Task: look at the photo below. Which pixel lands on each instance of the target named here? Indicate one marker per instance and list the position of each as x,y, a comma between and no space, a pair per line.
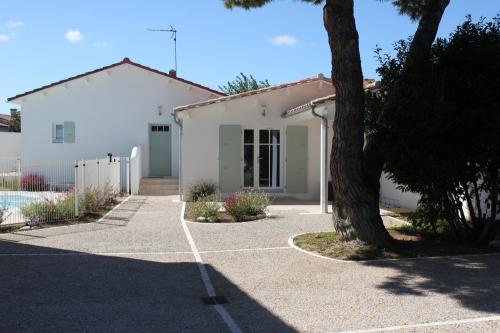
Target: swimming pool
14,201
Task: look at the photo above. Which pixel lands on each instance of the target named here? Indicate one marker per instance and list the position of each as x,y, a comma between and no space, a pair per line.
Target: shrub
108,194
258,202
206,207
33,182
242,204
92,200
9,184
237,205
201,190
49,210
2,213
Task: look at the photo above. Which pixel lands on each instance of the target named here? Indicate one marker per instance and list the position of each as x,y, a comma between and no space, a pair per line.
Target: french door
261,158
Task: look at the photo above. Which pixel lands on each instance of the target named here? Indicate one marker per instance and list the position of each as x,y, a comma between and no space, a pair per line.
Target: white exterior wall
112,111
394,196
10,145
200,146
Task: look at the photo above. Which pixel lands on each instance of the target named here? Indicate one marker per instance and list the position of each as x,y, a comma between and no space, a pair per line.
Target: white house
108,110
274,139
252,140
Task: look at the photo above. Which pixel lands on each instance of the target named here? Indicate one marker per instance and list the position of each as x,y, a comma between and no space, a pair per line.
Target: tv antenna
173,36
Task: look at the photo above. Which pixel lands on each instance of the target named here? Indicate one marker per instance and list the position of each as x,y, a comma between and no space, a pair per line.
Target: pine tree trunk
356,214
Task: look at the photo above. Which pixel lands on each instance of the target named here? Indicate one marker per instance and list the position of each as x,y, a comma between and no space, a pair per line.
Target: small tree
243,83
15,122
443,142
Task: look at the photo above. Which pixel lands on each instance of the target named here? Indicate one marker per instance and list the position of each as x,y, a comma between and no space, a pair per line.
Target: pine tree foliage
243,83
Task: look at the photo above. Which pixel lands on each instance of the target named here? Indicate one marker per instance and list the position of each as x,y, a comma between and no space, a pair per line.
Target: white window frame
55,139
256,161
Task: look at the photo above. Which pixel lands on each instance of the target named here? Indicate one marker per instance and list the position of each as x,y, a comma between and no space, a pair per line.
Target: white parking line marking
56,254
431,324
249,250
226,317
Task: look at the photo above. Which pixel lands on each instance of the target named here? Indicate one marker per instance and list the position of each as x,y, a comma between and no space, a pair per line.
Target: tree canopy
15,122
356,161
243,83
443,141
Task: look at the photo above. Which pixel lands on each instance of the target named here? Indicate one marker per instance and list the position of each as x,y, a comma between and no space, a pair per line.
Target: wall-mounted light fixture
160,110
263,113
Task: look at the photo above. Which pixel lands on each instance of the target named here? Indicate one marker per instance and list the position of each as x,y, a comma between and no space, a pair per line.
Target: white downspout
323,161
179,123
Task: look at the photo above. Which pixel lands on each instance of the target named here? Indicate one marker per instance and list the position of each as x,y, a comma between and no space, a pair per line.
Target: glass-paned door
248,158
269,158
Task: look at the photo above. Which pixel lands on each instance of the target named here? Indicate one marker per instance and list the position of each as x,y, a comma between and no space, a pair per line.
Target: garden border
314,254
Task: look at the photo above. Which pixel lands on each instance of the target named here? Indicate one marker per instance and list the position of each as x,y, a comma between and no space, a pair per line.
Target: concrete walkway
135,271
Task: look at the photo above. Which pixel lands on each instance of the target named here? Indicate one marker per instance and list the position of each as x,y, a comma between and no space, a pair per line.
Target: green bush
2,213
109,194
258,202
242,204
49,210
206,207
201,190
9,184
92,200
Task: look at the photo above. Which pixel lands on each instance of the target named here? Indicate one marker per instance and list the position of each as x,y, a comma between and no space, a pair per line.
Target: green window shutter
230,158
69,132
296,159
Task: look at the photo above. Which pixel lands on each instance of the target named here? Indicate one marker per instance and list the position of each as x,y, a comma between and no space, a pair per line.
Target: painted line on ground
314,254
431,324
50,254
249,250
221,310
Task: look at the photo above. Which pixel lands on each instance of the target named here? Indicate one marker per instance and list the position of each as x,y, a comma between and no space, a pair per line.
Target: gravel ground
134,272
312,294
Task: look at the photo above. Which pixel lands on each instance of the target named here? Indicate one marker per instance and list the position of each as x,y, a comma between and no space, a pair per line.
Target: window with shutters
63,132
58,133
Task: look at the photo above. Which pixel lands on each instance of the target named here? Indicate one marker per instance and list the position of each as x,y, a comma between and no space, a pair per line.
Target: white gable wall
200,146
112,111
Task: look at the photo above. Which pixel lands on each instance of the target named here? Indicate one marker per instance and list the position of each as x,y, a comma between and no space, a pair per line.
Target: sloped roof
368,84
250,93
4,120
124,61
304,107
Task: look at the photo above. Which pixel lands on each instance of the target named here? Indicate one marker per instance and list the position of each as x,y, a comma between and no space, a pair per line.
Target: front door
160,150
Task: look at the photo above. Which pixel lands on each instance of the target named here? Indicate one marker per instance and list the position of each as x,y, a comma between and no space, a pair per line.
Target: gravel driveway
135,271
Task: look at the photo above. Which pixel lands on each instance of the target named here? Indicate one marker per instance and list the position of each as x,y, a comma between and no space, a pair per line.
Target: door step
159,186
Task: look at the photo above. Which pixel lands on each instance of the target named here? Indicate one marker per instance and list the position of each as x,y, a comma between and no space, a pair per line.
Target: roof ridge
125,60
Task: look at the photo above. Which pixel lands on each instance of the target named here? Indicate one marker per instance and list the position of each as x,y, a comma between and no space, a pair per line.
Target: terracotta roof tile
4,120
249,93
368,85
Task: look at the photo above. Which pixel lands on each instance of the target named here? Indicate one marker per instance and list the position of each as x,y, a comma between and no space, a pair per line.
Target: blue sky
46,41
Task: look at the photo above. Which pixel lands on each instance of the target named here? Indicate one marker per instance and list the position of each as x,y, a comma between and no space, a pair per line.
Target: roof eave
249,93
123,62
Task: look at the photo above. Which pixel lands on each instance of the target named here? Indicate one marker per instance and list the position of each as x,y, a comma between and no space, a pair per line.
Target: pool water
14,201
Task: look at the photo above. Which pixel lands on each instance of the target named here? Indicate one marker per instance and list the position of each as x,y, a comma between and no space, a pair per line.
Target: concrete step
158,192
159,186
164,181
155,186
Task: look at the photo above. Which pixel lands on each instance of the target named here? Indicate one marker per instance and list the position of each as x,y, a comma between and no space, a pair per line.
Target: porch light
160,110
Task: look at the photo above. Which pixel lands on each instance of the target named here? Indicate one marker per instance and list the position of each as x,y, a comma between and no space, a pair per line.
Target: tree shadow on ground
474,281
51,290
